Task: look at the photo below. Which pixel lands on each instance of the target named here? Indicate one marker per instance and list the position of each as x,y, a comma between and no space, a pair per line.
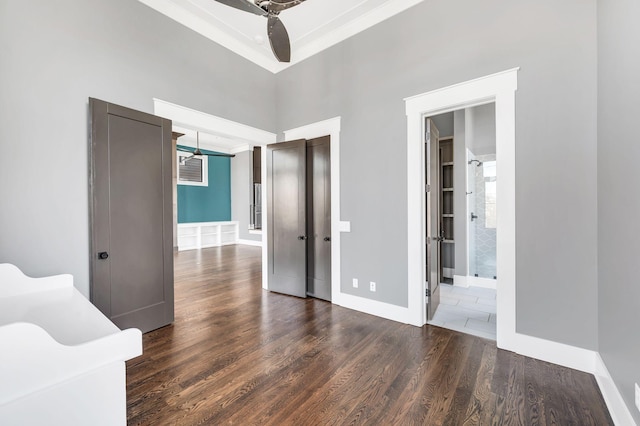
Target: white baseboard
581,359
373,307
556,353
615,403
469,281
481,282
250,243
460,281
447,272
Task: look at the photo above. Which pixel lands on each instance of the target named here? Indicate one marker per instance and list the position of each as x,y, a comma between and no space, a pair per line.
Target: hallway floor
469,310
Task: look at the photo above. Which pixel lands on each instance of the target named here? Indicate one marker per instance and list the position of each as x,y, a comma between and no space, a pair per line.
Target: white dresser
62,362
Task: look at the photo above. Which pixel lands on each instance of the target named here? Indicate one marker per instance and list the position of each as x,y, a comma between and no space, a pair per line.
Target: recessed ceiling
313,25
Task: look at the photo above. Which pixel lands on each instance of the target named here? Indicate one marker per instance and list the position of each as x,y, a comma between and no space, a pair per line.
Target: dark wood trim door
131,216
319,217
433,237
286,205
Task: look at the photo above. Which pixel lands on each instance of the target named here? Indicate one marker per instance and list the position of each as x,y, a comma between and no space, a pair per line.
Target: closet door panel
286,204
319,218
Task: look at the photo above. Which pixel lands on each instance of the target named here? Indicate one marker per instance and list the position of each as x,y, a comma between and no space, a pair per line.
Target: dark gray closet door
131,216
433,238
319,218
286,206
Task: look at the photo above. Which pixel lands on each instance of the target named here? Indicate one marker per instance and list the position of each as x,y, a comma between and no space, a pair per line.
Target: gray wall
241,193
364,80
618,196
55,55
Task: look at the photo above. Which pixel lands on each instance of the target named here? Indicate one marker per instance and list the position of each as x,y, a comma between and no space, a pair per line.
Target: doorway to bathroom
499,88
461,220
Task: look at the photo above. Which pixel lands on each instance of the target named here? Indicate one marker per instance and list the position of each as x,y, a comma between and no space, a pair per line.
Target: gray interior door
432,214
319,218
131,216
286,206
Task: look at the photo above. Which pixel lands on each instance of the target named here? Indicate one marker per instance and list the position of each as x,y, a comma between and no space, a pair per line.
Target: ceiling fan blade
219,155
216,154
194,153
245,6
184,160
279,39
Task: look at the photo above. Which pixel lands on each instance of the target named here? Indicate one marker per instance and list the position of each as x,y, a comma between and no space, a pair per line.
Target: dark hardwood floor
237,354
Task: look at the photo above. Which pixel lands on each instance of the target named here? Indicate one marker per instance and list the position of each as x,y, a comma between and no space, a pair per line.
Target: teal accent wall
207,203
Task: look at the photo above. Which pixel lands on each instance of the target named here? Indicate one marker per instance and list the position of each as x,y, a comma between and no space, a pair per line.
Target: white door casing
214,125
499,88
329,127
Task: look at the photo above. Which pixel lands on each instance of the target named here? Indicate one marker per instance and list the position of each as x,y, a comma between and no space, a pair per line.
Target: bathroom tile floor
469,310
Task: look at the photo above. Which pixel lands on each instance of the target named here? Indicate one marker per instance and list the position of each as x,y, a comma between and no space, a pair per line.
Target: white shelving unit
446,207
206,234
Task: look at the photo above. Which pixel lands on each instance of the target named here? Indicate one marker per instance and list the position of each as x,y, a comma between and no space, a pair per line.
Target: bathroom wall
484,251
480,140
460,220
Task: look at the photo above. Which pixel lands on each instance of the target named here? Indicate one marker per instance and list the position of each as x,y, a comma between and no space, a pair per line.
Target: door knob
103,255
327,238
302,237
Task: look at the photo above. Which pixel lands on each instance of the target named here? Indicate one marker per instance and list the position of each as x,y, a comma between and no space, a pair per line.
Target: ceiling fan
198,152
278,36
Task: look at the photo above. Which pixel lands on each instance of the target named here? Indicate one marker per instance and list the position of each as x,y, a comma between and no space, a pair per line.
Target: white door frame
182,116
329,127
251,136
499,88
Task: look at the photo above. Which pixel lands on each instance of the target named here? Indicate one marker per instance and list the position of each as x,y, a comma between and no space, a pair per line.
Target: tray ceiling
312,26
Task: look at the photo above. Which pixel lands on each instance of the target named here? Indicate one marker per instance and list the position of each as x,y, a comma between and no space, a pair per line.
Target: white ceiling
209,141
212,132
312,26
